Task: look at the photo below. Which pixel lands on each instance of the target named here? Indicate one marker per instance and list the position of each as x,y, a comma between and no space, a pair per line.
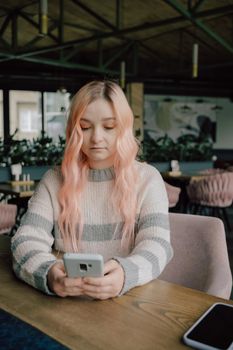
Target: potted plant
36,156
193,152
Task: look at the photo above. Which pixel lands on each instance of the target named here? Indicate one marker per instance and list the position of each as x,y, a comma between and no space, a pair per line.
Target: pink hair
75,164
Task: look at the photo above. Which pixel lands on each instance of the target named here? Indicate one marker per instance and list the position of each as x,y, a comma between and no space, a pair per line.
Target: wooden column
6,113
135,96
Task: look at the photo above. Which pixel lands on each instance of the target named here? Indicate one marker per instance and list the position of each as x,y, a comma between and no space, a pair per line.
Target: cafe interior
174,61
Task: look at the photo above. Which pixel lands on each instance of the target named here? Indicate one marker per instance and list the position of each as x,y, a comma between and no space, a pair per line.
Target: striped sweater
38,233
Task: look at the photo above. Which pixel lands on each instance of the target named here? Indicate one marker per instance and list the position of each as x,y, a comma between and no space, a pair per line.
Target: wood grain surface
154,316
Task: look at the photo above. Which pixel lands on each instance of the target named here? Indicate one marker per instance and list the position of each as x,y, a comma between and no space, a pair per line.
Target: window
25,114
55,110
1,114
27,117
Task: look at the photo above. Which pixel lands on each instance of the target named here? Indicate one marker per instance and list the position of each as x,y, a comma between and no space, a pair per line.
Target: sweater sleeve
32,244
152,249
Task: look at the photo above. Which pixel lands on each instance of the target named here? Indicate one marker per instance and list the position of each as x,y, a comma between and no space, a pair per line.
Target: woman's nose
96,135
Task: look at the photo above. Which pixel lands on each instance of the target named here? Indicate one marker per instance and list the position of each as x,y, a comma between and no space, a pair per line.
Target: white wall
1,114
224,125
224,116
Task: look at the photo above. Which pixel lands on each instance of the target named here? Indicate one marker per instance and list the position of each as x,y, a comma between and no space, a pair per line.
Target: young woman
101,201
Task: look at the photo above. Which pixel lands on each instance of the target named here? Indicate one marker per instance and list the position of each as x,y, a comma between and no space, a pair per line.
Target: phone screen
216,328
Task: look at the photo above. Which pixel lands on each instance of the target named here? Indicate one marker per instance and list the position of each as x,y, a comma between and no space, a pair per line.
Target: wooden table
19,194
153,316
18,191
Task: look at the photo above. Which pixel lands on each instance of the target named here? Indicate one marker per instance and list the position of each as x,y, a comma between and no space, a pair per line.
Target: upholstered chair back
7,217
212,171
200,258
173,194
212,190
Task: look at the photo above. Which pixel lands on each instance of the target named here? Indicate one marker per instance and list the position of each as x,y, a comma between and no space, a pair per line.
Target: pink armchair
200,255
173,194
212,194
7,217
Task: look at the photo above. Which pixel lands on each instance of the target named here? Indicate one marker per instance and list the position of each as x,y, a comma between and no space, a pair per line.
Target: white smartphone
213,330
81,265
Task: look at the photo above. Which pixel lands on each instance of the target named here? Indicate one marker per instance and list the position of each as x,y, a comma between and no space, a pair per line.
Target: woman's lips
96,148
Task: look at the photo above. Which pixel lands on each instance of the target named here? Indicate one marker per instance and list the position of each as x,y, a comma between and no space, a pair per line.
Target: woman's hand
60,284
108,286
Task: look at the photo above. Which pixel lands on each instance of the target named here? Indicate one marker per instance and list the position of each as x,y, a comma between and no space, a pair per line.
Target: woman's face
99,128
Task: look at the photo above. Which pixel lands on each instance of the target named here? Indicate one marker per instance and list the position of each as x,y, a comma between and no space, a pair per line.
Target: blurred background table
17,194
20,190
180,180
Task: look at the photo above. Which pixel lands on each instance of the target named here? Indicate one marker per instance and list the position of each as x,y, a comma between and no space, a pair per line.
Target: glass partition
56,105
1,115
25,114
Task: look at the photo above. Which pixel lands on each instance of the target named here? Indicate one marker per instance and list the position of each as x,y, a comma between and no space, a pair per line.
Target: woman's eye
109,127
85,127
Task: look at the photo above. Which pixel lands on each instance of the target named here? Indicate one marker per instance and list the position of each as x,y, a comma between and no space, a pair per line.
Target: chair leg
20,213
194,208
222,214
226,219
216,212
198,209
207,211
201,209
191,208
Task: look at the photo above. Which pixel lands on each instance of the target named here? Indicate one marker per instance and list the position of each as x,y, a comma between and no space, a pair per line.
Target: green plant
45,152
194,148
40,151
187,147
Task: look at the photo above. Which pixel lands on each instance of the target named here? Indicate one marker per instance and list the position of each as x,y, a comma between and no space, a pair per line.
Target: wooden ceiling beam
37,38
174,4
5,44
61,21
118,33
100,53
70,65
153,53
119,12
14,31
196,6
36,25
200,41
94,14
136,50
72,53
119,53
79,26
5,24
160,23
100,36
17,8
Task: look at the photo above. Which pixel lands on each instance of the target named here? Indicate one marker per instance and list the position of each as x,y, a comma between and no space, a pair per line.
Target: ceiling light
122,76
43,17
167,99
216,107
62,90
185,108
195,61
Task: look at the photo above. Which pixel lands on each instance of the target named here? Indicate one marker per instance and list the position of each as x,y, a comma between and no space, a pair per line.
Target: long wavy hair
75,167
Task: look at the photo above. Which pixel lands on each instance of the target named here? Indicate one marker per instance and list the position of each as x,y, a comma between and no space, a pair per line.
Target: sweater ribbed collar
99,175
